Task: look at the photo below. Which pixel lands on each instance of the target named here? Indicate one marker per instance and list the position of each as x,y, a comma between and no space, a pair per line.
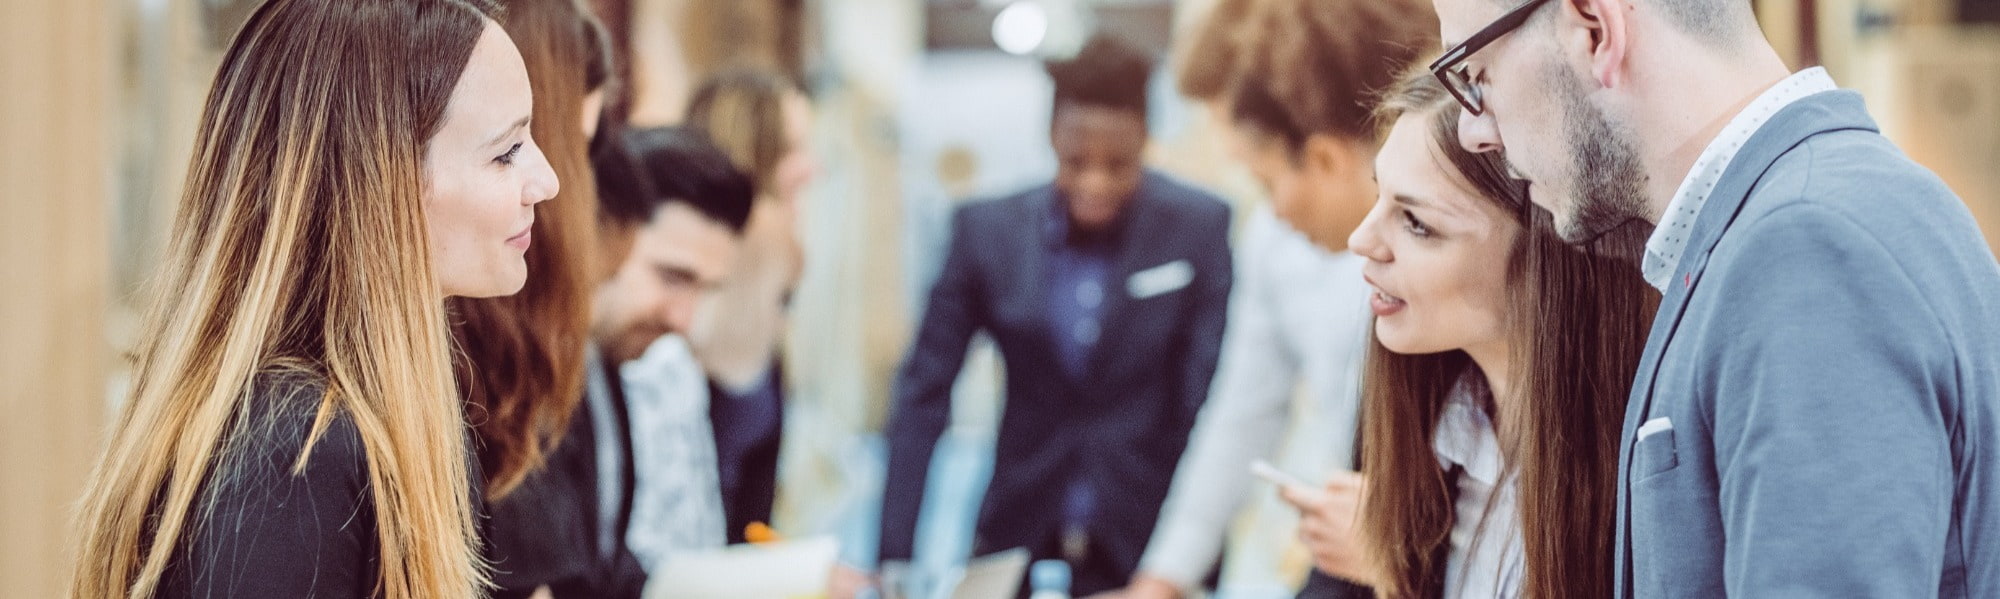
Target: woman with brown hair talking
293,429
1495,386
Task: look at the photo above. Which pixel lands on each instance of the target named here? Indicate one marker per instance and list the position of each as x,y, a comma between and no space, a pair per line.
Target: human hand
847,582
1329,525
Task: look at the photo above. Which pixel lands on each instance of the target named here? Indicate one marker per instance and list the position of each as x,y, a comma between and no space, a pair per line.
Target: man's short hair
1107,73
1707,20
678,165
1711,20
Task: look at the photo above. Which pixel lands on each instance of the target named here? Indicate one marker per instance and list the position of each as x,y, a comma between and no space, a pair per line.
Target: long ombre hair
1579,318
523,362
300,244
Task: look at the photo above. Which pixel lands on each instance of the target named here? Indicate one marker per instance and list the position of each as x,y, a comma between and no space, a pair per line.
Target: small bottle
1049,579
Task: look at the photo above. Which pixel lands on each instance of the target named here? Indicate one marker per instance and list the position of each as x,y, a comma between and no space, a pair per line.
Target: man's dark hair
1714,21
655,167
1108,72
624,196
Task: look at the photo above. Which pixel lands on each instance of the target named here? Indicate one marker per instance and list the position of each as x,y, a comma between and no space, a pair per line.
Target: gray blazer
1817,413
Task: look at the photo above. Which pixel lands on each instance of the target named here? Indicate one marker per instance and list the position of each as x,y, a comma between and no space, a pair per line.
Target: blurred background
919,104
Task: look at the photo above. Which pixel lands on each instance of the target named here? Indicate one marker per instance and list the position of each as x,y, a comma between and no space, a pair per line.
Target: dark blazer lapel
1028,248
1820,113
1135,253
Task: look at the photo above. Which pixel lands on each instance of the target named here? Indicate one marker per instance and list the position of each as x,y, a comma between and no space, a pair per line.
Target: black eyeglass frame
1449,70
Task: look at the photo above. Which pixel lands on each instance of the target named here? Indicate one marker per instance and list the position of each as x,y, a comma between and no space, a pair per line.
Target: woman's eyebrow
509,130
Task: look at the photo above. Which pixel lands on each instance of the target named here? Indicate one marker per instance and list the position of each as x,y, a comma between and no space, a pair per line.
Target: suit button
1089,294
1085,332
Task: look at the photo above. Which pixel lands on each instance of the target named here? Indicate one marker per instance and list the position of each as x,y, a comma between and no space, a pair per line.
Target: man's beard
1607,183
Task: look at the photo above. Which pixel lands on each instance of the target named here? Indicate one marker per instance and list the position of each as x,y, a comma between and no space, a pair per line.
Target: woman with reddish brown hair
554,504
523,366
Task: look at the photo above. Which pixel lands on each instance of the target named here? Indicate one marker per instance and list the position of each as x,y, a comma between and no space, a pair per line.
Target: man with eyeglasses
1815,414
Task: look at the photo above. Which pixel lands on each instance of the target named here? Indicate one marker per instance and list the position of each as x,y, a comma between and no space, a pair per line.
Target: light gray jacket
1817,413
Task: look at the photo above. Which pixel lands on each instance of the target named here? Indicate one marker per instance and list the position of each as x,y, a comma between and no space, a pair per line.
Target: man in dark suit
1105,292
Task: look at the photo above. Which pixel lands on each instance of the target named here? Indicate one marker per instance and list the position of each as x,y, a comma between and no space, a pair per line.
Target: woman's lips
1384,304
1381,302
522,240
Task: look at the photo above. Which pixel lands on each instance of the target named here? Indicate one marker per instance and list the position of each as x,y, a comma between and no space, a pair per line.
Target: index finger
1301,497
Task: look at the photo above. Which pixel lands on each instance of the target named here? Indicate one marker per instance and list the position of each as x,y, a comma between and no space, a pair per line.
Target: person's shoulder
1853,190
1185,214
267,525
988,211
1842,226
1034,196
1184,198
277,424
1853,172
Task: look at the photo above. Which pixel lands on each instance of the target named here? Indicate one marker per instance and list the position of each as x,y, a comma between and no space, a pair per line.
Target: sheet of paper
782,570
993,576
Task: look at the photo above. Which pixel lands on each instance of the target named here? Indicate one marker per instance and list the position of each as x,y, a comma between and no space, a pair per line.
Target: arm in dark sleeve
1209,312
923,389
262,530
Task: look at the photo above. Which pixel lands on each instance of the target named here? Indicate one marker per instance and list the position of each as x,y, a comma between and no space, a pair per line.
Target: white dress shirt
1298,320
1487,558
676,496
1670,237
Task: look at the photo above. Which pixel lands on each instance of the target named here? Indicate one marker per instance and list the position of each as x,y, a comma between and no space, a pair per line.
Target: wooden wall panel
57,121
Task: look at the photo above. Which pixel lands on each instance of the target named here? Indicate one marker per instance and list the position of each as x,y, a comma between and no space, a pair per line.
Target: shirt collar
1465,434
1670,237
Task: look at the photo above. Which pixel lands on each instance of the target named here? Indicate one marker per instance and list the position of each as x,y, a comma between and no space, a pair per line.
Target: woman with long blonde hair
294,429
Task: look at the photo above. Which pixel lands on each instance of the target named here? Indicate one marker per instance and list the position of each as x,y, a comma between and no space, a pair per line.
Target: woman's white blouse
1487,557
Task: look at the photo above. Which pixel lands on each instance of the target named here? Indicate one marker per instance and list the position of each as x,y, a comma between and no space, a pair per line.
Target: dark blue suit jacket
1123,425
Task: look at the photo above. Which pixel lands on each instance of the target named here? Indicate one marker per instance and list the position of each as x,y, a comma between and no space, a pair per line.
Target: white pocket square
1655,426
1160,280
